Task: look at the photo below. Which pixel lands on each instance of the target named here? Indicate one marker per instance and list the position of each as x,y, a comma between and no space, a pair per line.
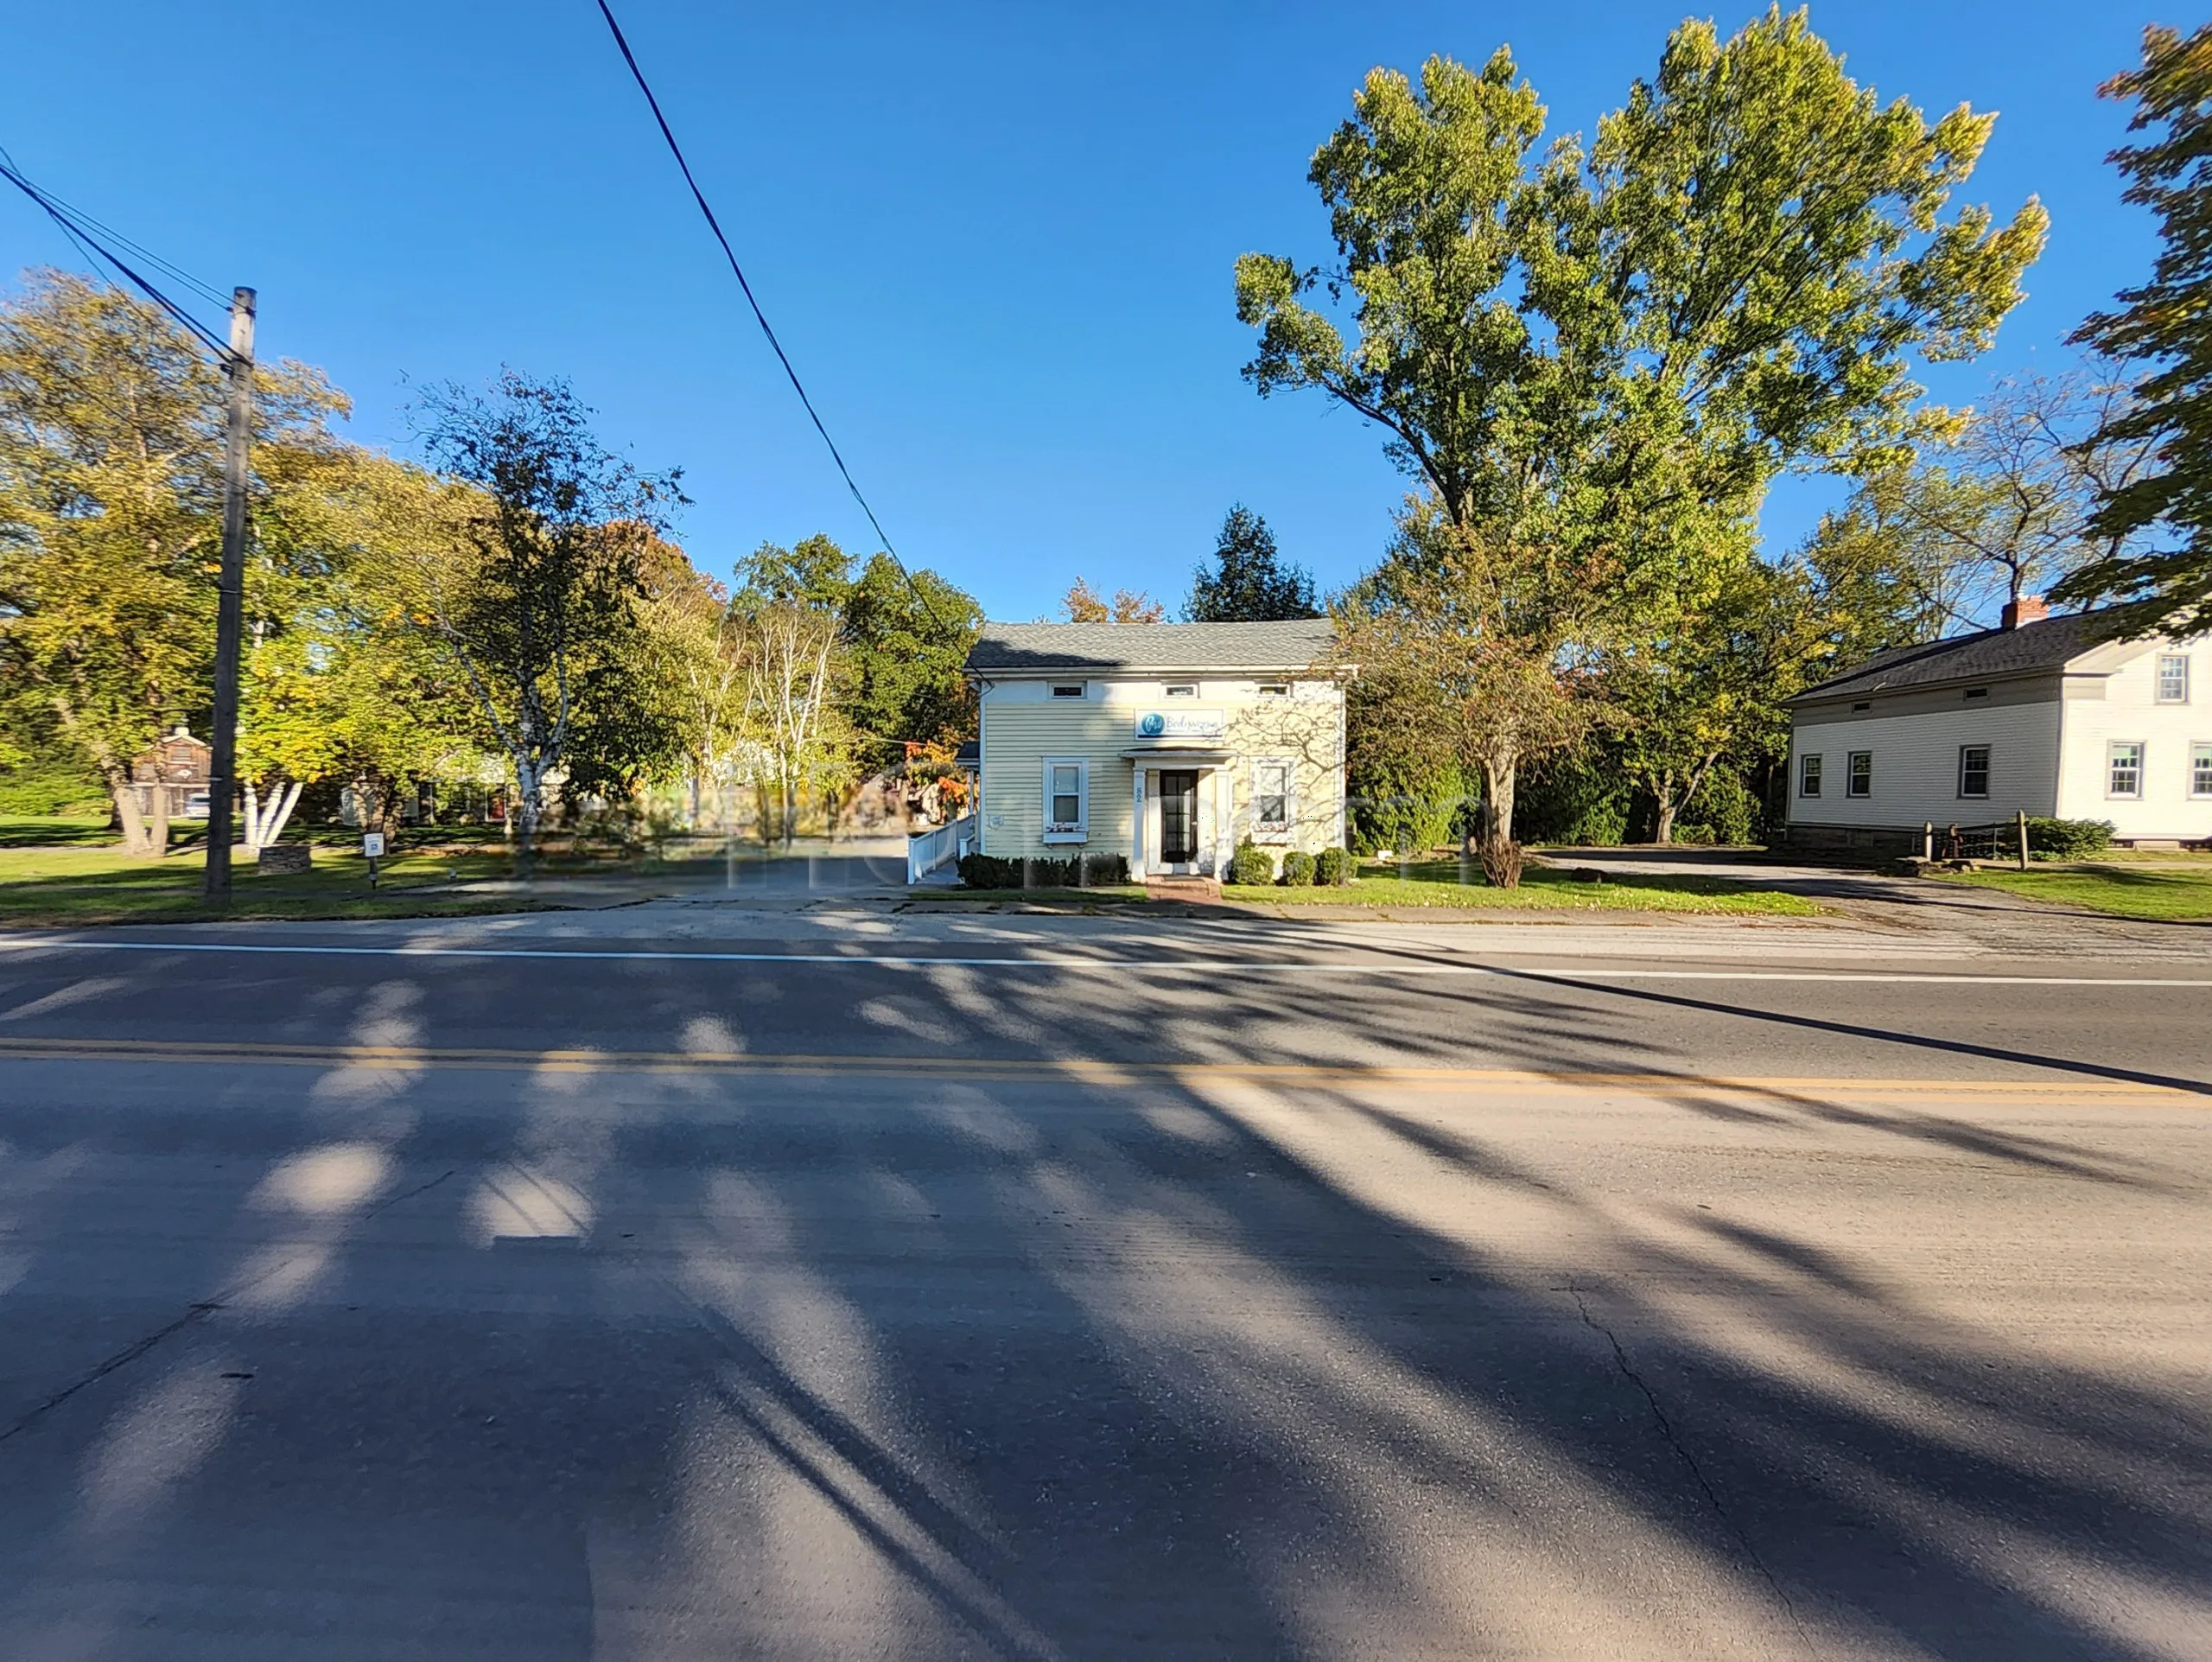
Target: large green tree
110,491
1609,353
906,640
2165,325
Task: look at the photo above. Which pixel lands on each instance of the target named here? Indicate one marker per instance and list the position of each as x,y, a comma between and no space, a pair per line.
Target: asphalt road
436,1294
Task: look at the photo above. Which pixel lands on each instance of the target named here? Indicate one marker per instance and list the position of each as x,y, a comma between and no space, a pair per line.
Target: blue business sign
1181,724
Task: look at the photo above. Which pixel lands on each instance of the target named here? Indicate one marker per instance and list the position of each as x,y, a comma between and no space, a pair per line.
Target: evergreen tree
1249,581
2166,325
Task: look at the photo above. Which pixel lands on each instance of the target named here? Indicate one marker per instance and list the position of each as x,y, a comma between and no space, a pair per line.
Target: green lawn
2124,891
61,830
73,886
1437,883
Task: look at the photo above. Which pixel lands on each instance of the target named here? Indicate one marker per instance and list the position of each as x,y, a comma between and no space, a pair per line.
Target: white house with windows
2037,716
1166,742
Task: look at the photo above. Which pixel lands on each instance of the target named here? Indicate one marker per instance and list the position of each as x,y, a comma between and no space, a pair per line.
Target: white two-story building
1168,743
2038,716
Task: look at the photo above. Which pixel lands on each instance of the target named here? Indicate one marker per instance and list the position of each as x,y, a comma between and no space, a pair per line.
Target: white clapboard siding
1916,762
2129,712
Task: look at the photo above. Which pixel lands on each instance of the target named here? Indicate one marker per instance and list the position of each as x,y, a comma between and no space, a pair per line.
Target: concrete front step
1182,889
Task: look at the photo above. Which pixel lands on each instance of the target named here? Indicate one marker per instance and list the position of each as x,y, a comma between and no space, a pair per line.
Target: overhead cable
78,228
759,316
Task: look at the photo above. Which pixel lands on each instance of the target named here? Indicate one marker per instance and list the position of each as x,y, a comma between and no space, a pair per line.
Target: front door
1179,818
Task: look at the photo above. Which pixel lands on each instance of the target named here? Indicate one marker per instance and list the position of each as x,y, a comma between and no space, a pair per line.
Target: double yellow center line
1087,1071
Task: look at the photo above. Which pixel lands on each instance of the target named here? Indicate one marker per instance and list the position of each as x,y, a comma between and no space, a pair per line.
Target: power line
75,227
759,316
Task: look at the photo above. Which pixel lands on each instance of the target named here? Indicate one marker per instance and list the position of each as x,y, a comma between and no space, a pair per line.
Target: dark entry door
1179,818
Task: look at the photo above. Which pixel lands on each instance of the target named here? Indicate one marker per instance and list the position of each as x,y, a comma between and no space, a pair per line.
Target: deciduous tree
110,491
527,578
1083,605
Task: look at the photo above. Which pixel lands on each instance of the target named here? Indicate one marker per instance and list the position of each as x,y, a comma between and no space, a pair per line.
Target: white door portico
1179,757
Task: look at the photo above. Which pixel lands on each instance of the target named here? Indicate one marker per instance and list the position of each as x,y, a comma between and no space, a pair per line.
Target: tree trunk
1501,855
1494,822
137,841
157,826
524,812
264,822
1662,791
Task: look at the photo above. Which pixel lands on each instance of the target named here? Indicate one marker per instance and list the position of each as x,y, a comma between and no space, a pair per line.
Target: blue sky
996,240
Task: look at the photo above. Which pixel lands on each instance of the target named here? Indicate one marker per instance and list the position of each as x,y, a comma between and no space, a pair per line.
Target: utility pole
230,604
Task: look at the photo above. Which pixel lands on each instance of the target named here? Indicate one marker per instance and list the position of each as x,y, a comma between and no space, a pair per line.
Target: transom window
1274,689
1808,776
1069,690
1973,770
2124,769
1977,692
1183,689
2200,770
1271,795
1860,781
2173,678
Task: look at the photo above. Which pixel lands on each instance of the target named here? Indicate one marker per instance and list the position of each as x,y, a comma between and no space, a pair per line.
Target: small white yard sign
372,844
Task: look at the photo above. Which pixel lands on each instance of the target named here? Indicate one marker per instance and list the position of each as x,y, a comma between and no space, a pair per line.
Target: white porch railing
932,848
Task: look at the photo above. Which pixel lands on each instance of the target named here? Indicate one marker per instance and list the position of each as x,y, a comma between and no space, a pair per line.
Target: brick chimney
2029,608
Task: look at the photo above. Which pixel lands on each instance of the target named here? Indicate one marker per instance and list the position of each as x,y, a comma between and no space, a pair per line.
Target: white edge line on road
1102,965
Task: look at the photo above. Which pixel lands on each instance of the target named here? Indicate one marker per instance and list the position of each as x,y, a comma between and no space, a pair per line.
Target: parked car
195,805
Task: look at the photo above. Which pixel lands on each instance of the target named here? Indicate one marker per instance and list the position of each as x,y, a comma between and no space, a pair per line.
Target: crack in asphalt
1667,1435
193,1313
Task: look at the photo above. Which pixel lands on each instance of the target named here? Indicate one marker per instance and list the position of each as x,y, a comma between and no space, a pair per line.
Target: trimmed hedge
1332,869
1078,871
1297,870
1251,864
2068,840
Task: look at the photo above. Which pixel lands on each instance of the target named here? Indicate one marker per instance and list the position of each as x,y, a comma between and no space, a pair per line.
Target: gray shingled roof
2047,646
1043,648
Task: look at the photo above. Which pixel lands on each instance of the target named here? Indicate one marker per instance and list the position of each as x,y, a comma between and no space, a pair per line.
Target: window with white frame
1809,774
2123,769
1275,688
1271,789
1070,689
1860,780
2173,678
1067,798
2200,770
1183,689
1973,770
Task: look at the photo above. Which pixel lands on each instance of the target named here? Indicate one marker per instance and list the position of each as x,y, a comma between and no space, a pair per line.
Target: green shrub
1297,870
1078,871
2068,840
1099,870
45,786
1581,798
1333,869
1251,864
